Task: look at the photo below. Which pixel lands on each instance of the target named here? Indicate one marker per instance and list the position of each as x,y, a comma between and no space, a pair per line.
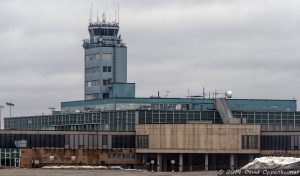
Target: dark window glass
2,140
32,141
104,140
113,141
104,69
38,140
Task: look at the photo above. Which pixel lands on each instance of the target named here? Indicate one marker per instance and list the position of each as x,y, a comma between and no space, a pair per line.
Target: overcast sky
249,47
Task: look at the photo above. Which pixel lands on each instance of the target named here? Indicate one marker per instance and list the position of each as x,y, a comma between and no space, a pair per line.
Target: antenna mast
97,16
118,13
91,13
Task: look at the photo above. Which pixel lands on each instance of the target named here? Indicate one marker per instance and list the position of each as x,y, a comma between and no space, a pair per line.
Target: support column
159,165
232,161
190,161
206,161
180,162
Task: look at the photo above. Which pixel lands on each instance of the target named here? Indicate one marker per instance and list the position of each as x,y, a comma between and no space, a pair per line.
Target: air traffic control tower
106,63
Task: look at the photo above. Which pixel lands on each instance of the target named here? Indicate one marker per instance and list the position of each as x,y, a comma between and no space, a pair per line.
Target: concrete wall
64,157
196,138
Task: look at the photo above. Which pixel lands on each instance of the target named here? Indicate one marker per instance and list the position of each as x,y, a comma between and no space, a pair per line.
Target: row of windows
96,82
92,70
142,141
178,117
250,142
106,81
31,140
280,142
93,57
94,121
270,117
121,156
97,69
92,96
121,141
67,141
91,83
107,69
105,32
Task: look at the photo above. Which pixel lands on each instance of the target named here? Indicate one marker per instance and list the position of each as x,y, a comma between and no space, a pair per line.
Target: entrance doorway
9,157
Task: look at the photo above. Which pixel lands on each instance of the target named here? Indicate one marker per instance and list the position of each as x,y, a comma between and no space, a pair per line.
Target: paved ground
56,172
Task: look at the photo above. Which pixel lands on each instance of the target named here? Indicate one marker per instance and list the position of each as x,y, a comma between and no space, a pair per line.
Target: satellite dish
228,94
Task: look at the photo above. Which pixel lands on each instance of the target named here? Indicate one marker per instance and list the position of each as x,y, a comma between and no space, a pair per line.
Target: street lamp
0,115
10,105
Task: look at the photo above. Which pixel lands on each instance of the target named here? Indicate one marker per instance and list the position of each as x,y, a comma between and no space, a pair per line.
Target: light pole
0,115
10,105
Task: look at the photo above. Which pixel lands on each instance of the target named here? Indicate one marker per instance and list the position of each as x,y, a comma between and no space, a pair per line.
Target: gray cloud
249,47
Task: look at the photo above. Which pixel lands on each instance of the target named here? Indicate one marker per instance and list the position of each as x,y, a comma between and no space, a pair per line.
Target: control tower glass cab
105,59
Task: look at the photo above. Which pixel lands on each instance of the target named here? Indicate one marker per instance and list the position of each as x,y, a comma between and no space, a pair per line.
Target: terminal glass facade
94,121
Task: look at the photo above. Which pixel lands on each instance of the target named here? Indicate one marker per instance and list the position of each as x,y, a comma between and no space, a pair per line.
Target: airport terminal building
113,127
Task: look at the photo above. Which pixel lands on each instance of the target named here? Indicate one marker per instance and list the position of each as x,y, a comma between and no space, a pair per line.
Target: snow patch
274,163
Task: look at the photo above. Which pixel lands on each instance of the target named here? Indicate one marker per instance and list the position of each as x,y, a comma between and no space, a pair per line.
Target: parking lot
57,172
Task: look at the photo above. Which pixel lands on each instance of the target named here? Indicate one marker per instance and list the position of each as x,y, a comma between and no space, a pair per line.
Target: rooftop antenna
103,18
118,13
203,92
91,13
97,16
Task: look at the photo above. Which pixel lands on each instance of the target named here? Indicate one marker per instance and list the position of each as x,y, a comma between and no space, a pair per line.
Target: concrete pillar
231,161
206,162
190,161
159,162
180,162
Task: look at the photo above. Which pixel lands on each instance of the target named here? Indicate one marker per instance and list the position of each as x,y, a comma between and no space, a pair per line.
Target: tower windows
106,81
105,95
91,83
92,96
107,56
107,69
92,70
91,57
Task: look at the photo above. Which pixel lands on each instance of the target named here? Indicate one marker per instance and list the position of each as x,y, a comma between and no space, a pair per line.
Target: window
91,96
105,82
142,141
91,57
105,95
107,56
106,69
104,140
91,83
250,142
92,70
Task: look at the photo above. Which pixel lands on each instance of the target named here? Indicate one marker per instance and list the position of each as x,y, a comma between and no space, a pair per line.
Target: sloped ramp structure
225,112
